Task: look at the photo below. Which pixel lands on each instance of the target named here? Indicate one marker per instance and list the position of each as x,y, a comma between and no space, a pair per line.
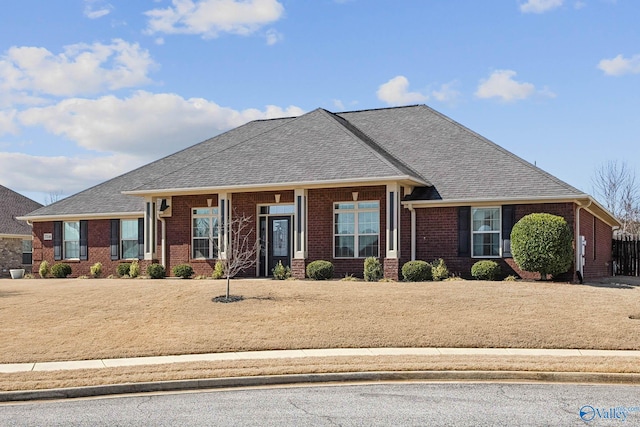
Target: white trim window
71,239
129,238
204,233
356,228
486,232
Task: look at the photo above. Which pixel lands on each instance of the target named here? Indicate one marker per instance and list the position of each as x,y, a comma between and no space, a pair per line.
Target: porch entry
276,237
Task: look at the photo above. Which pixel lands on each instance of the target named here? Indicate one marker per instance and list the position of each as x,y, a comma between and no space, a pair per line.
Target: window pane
368,205
345,223
344,246
129,249
486,244
201,227
345,206
201,211
129,229
72,230
201,248
27,246
368,246
368,222
72,250
486,219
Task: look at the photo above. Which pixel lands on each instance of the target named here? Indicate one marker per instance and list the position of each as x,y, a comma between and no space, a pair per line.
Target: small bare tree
616,187
241,248
53,197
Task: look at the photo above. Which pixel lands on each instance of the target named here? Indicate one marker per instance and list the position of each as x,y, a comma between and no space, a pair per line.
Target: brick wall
437,237
598,256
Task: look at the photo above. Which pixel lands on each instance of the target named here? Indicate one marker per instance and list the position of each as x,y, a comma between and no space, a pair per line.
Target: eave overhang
79,216
581,200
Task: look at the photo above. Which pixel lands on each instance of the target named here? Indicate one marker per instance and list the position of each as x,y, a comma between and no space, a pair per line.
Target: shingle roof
12,205
415,142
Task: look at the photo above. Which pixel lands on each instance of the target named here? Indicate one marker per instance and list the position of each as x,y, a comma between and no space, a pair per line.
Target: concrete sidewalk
291,354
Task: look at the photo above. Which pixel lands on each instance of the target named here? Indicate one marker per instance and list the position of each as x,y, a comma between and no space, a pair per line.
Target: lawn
74,319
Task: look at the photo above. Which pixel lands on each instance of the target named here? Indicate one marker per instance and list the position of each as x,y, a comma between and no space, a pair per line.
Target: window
27,252
129,238
71,239
204,233
485,228
356,229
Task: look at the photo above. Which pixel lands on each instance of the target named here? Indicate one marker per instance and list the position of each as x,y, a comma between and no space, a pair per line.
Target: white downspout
413,232
577,238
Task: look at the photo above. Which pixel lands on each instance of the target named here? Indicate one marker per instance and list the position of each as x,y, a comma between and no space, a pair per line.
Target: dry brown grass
70,319
184,371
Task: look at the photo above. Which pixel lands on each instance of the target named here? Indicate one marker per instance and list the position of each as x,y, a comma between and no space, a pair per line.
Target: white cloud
209,18
501,84
94,9
447,93
396,92
273,37
23,172
7,122
145,125
620,65
80,69
540,6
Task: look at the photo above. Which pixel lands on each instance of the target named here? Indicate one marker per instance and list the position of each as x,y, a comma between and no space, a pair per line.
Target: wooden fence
626,255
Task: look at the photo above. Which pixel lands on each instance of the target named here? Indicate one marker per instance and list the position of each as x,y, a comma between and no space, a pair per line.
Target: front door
279,248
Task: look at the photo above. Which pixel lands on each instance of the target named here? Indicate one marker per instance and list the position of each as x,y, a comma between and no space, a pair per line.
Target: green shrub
218,270
134,270
320,270
156,271
60,270
543,243
485,270
372,269
280,272
183,270
123,269
44,271
96,270
416,271
439,269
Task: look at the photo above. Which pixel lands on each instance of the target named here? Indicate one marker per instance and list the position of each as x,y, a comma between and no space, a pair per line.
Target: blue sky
90,89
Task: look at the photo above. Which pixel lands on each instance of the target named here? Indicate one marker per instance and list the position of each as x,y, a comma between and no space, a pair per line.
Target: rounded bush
218,270
417,271
123,269
320,270
44,269
485,270
543,243
60,270
183,270
156,271
372,269
134,270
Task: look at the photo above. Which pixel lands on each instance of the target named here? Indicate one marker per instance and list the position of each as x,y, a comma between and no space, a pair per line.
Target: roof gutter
76,216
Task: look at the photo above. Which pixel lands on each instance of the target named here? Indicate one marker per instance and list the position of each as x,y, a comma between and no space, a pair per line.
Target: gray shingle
12,205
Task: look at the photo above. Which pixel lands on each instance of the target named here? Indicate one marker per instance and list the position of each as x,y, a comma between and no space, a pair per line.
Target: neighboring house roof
415,144
13,205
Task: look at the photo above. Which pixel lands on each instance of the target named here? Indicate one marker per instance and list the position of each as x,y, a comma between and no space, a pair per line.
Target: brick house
396,183
15,235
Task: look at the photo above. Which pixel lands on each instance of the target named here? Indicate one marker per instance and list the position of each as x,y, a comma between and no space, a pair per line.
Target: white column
393,221
300,224
150,228
224,219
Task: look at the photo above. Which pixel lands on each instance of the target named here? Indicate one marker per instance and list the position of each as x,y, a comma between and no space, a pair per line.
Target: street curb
298,379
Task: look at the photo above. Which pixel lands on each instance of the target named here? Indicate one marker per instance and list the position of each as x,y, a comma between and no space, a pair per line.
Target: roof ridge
377,149
381,108
505,151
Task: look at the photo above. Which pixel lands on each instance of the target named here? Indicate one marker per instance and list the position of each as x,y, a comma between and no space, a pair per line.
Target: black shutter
464,231
140,238
508,220
84,237
115,239
57,240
